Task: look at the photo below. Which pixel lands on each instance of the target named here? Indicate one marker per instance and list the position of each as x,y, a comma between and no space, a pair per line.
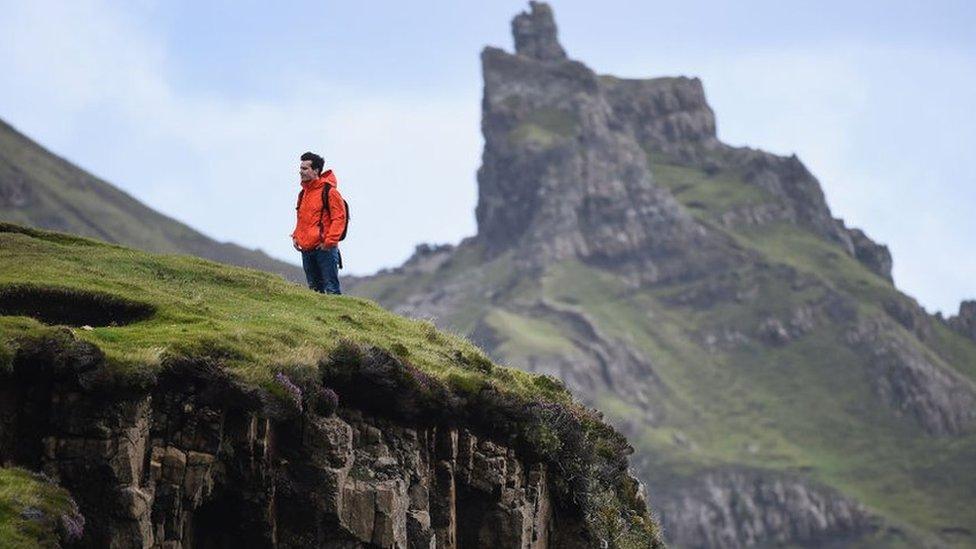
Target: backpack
325,206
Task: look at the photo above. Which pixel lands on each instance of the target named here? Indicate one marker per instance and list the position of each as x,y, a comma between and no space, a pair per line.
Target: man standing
320,225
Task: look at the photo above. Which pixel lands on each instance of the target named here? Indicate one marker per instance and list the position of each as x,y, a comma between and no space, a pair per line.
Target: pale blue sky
201,111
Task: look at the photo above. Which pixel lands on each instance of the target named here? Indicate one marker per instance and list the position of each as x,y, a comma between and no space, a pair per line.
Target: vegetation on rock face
35,512
147,313
544,128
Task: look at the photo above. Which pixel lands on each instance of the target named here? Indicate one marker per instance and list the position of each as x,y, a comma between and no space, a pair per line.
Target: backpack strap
325,208
325,199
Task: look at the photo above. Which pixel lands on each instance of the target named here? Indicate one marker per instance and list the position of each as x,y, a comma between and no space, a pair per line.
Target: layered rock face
744,508
940,399
196,461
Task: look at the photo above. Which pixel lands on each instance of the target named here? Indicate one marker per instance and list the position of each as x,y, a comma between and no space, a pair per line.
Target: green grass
545,128
805,407
526,336
254,325
251,323
706,196
31,510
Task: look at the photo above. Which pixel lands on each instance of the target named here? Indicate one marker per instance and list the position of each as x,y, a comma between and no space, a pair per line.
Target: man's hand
323,246
294,244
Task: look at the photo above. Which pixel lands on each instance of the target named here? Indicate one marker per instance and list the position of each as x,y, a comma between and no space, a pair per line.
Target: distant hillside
41,189
778,388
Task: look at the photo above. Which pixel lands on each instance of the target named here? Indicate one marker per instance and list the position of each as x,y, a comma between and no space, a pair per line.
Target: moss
35,512
56,238
399,349
706,195
545,128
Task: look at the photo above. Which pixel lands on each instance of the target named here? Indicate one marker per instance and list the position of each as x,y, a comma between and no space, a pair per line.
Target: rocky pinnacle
535,34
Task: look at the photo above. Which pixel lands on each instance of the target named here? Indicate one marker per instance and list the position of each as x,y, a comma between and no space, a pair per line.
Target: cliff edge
183,403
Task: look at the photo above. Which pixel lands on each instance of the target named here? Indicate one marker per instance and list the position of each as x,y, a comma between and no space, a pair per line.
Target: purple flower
294,391
73,523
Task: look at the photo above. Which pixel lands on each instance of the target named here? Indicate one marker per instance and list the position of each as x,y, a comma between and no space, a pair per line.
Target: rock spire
535,34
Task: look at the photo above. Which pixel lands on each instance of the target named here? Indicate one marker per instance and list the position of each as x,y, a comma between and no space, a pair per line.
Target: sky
201,109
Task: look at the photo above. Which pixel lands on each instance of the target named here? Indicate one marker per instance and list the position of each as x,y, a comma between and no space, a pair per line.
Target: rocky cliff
198,462
705,297
227,408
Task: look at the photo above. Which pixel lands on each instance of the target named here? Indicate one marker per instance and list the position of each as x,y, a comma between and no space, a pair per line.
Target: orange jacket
314,225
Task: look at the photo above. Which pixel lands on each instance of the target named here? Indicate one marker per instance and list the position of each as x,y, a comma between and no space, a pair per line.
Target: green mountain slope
39,189
779,389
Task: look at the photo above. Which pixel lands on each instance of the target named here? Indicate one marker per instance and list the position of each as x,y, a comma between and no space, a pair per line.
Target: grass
31,510
706,196
545,128
255,326
251,323
805,407
526,336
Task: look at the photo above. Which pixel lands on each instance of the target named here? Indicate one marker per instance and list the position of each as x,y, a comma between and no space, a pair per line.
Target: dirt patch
65,306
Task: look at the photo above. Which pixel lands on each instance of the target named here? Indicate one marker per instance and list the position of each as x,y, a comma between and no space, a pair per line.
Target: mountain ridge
778,387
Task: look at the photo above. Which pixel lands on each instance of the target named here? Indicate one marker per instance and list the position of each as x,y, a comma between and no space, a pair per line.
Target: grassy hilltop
147,313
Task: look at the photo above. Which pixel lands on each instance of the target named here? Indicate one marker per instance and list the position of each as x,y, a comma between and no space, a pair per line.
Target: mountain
778,388
167,401
40,189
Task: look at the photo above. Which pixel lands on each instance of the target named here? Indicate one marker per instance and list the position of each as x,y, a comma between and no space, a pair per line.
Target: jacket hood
327,177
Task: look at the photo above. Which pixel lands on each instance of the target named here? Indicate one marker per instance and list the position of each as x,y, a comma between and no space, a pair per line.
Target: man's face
306,171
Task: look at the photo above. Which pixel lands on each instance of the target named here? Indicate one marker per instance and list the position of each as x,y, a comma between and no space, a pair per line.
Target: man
320,224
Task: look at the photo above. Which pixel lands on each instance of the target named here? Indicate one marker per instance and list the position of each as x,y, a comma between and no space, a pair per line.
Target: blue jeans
322,270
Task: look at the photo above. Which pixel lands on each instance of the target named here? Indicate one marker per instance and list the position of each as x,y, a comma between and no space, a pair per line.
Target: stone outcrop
195,460
535,34
560,181
666,115
965,321
748,508
912,382
875,256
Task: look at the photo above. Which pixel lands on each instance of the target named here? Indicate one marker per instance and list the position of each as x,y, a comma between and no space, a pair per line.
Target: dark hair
317,161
